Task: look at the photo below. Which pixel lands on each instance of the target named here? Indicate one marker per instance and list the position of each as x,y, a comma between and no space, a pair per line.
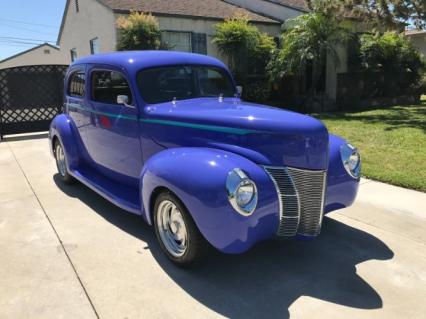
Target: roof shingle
215,9
297,4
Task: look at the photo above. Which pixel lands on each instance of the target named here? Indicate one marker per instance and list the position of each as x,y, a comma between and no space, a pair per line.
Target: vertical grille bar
310,187
288,199
301,196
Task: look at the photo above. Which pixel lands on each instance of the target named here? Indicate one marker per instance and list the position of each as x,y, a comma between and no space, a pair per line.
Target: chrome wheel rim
172,228
60,160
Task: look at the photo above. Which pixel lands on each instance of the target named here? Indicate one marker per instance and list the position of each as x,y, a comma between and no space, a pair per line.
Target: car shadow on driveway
265,281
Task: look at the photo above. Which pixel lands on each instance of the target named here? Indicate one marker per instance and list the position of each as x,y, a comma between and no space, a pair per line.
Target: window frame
91,42
106,69
69,81
72,52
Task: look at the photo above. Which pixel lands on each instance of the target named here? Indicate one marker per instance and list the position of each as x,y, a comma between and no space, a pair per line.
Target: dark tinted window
76,84
107,85
183,82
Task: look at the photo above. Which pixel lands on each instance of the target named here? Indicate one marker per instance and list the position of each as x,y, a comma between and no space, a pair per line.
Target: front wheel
176,231
61,163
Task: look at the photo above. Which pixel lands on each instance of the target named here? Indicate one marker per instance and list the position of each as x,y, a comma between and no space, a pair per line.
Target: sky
27,23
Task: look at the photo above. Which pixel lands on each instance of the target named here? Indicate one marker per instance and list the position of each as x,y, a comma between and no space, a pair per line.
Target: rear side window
76,84
107,85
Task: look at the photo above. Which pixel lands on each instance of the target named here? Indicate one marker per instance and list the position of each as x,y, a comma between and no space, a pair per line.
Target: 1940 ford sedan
165,135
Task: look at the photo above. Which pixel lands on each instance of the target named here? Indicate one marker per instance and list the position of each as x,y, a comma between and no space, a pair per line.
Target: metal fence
30,97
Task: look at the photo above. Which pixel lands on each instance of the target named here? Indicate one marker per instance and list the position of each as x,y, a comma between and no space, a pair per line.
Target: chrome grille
301,199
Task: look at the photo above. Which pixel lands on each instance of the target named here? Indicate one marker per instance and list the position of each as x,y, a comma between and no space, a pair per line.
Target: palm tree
307,40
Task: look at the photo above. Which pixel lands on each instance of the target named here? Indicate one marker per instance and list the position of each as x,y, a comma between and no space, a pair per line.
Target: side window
107,85
76,84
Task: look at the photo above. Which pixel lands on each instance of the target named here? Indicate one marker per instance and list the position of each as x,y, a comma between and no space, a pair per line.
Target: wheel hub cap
172,229
60,160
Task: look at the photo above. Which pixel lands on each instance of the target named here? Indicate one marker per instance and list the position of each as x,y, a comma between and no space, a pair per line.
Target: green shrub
138,31
257,90
244,45
307,40
390,52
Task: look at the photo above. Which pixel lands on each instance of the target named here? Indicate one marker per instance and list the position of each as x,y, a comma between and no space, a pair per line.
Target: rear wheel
176,232
61,163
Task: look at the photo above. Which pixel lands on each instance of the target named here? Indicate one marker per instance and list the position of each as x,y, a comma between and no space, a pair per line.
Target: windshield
164,84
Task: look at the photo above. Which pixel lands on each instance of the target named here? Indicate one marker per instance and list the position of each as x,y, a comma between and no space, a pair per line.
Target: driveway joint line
382,229
56,233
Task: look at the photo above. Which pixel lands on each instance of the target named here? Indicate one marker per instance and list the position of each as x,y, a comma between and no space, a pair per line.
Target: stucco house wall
42,54
418,38
95,20
92,20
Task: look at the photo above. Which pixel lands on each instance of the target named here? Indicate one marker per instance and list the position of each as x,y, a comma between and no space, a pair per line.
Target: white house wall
419,41
93,20
35,57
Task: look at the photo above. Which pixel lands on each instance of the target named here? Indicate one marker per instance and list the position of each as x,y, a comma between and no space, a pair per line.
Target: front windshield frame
224,72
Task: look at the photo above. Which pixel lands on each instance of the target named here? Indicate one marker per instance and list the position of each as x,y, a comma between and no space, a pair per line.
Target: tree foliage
390,52
243,44
395,14
138,31
307,39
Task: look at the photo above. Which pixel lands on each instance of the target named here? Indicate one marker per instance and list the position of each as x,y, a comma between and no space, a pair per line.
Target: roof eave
187,16
29,50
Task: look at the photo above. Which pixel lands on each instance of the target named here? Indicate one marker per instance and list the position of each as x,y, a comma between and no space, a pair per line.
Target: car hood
266,135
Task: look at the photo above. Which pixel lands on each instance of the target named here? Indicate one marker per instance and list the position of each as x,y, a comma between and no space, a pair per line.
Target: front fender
62,128
197,176
341,187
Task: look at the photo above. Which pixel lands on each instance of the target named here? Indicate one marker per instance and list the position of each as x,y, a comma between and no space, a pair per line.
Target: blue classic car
165,135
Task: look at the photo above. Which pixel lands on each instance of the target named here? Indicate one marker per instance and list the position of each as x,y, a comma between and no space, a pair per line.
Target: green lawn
392,142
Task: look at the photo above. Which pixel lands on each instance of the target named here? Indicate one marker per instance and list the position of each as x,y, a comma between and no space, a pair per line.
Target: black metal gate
30,97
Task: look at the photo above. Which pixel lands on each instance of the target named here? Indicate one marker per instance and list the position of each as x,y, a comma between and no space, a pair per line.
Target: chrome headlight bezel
351,160
236,180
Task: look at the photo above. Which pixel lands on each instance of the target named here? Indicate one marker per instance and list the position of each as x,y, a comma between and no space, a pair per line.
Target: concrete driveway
67,253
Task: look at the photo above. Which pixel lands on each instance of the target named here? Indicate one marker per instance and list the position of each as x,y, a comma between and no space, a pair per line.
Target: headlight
242,192
351,160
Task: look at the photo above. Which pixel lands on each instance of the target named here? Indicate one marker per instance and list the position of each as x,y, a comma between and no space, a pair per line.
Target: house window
185,41
73,54
77,8
46,51
107,85
199,43
76,84
94,46
177,41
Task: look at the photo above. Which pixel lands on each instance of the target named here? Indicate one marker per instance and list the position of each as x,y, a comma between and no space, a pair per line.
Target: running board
123,196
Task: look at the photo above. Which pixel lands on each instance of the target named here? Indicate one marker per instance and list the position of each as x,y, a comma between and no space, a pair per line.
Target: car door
75,100
114,133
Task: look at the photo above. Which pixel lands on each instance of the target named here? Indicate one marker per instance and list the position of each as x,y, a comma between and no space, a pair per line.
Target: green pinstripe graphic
215,128
117,116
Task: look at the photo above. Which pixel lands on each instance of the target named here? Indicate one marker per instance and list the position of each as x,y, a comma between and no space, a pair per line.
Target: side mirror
239,90
122,99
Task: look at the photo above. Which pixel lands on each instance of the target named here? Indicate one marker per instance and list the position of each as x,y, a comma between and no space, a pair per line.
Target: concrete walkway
67,253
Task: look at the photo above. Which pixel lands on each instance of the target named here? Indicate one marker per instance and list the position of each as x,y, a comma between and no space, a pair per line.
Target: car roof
136,60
